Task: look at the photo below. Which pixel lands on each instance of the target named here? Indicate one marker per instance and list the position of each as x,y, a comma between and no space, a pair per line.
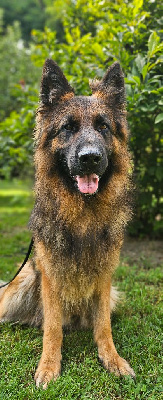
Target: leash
24,262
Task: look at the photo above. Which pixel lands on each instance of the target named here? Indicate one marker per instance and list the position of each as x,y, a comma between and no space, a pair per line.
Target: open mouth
87,184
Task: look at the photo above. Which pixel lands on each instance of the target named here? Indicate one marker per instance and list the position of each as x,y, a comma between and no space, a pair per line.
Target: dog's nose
89,157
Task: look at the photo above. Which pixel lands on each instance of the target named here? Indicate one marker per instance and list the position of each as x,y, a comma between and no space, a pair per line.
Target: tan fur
103,335
77,239
20,300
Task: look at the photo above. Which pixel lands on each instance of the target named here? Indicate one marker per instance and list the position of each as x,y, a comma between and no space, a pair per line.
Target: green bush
92,36
16,145
16,69
144,95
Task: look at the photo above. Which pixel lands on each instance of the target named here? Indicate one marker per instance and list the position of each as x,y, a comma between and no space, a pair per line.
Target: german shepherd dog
82,205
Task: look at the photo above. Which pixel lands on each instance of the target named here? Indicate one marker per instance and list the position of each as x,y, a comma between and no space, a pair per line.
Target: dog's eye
70,127
103,128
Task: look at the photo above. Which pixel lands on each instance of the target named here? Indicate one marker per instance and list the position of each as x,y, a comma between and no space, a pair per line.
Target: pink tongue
87,183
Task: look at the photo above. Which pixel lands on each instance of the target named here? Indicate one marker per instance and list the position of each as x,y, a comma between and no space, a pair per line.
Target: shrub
93,35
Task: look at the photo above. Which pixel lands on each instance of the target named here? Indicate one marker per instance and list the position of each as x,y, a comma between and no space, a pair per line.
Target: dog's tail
20,300
115,297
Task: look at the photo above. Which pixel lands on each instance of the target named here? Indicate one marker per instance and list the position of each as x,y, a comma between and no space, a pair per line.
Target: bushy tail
20,300
115,297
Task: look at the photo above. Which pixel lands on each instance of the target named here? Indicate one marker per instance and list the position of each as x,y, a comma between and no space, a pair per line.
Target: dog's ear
54,84
111,88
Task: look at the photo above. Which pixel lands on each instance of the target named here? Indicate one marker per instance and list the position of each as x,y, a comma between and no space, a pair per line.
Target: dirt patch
143,252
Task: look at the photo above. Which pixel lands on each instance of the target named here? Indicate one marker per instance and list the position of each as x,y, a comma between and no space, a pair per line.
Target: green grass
136,326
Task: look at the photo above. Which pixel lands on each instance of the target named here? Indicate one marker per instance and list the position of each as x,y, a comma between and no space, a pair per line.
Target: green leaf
98,50
69,37
130,81
145,70
140,62
159,60
159,174
152,43
136,79
159,118
137,5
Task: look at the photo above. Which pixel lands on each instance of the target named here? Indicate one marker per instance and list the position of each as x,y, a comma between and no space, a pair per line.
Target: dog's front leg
50,362
103,335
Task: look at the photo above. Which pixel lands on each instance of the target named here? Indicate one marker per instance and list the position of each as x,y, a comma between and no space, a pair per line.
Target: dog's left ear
111,88
54,84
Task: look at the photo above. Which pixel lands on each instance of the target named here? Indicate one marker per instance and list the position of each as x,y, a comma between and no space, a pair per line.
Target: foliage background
84,37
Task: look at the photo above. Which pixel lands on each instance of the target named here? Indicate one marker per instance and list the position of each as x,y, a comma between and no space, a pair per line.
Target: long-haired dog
82,206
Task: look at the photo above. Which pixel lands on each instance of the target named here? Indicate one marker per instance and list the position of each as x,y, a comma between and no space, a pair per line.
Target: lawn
136,324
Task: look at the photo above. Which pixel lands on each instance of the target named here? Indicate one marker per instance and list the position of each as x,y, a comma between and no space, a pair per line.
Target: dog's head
82,134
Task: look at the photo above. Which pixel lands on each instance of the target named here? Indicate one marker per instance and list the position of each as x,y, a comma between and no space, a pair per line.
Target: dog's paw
117,365
45,374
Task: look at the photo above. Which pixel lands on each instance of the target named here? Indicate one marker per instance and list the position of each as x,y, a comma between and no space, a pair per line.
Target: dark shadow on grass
14,201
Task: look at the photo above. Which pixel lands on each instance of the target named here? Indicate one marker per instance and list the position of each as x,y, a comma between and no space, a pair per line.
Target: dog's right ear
54,84
111,88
